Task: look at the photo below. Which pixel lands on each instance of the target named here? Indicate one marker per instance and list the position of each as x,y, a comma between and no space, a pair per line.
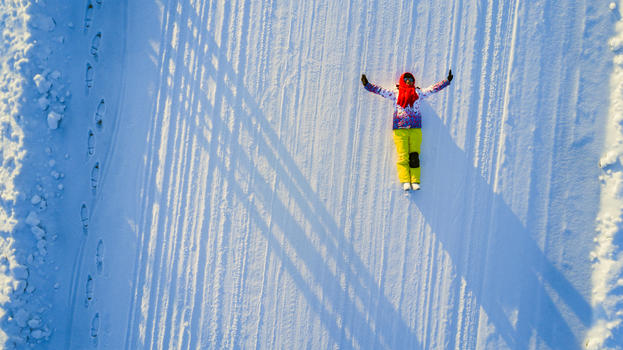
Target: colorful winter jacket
409,117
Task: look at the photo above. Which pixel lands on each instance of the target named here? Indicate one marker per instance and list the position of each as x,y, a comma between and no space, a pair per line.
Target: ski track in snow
236,184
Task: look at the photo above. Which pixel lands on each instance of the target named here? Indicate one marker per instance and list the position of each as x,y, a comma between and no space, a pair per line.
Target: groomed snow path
248,195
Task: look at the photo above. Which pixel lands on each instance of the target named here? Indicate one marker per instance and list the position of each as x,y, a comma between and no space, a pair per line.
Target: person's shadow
508,276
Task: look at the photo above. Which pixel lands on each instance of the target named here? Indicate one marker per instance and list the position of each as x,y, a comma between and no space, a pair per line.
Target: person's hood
406,93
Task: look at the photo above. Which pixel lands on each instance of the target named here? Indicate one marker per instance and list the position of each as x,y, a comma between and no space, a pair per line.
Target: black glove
364,80
450,76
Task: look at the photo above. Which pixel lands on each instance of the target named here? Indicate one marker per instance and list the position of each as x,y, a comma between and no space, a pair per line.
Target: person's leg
401,139
415,141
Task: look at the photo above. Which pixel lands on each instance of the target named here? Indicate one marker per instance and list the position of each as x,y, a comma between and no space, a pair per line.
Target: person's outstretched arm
438,86
377,89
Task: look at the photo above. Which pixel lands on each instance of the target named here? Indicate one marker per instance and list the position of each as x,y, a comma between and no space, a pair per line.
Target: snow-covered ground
211,174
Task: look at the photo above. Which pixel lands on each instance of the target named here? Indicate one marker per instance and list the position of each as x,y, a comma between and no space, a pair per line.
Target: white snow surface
203,174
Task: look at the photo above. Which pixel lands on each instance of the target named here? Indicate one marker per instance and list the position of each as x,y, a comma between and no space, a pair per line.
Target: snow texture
203,174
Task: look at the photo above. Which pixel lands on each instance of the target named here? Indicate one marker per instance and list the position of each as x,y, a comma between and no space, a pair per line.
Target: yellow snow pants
408,142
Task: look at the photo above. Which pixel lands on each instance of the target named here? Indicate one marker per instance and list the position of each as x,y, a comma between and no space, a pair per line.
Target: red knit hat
406,93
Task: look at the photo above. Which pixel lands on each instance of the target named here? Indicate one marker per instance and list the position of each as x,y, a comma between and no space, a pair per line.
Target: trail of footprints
93,163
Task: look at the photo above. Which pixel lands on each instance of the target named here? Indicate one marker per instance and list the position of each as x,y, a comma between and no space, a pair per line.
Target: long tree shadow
368,324
509,275
312,248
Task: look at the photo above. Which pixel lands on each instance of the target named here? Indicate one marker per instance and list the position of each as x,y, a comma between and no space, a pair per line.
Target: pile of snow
33,100
607,280
51,99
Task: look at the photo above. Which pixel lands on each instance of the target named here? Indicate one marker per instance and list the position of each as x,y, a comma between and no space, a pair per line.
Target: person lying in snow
407,123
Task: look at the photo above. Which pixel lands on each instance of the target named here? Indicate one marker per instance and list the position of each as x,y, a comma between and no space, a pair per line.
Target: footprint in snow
95,327
95,45
100,111
99,256
91,143
84,218
89,77
95,172
88,16
89,291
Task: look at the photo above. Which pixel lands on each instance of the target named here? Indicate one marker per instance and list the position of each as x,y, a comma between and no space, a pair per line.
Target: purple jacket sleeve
434,88
380,91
